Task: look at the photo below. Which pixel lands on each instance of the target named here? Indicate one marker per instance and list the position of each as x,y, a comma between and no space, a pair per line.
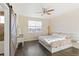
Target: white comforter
50,39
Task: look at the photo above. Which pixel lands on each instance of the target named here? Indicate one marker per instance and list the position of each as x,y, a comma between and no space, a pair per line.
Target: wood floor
35,49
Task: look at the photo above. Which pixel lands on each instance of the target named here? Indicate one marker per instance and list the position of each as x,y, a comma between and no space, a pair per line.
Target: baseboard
30,40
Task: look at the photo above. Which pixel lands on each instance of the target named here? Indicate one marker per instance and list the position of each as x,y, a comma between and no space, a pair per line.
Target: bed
55,42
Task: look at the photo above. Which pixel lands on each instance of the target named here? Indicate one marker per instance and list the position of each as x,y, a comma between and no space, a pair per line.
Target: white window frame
35,26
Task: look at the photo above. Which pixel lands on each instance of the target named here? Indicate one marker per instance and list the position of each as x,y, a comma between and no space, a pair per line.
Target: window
1,19
34,26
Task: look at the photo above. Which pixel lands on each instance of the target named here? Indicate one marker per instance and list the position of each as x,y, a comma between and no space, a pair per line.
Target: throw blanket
59,43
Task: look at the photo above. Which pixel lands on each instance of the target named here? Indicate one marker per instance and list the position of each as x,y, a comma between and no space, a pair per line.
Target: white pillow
59,35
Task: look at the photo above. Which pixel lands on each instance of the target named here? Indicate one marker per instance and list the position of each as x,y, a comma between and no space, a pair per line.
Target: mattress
50,39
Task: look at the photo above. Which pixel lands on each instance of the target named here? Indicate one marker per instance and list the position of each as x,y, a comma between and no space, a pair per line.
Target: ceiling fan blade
49,13
50,10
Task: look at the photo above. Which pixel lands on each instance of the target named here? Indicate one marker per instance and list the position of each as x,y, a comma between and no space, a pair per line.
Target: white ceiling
32,9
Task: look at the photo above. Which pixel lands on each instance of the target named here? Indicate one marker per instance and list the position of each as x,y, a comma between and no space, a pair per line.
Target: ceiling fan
46,11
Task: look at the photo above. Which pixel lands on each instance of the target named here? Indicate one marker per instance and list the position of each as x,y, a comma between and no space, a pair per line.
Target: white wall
67,22
22,27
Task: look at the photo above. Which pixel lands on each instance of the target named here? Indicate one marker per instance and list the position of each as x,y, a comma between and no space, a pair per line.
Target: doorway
5,29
